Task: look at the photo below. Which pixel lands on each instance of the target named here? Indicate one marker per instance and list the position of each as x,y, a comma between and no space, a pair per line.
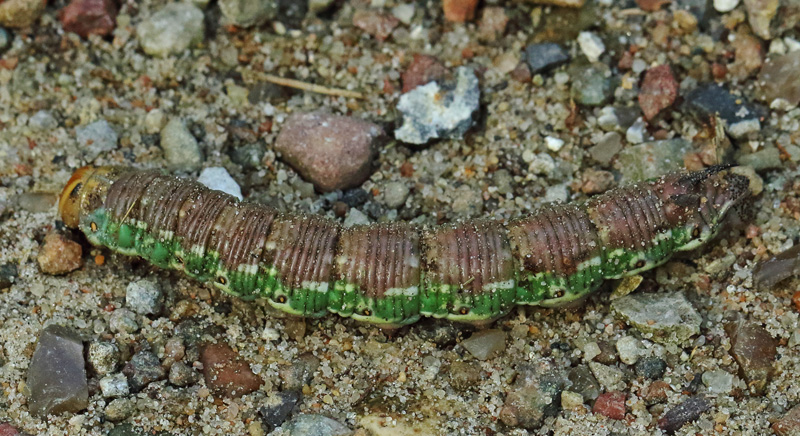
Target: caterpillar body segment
472,271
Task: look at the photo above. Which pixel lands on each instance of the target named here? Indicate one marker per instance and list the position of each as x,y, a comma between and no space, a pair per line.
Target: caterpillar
394,273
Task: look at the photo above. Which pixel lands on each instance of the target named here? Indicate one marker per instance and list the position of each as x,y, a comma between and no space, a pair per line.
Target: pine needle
298,84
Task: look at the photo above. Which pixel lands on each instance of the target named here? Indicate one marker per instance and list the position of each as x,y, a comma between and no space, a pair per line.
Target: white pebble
635,133
725,5
591,45
553,143
219,179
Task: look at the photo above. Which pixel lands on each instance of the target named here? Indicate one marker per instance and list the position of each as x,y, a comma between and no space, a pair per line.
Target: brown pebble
225,374
658,92
89,17
20,13
377,24
59,255
656,392
755,351
340,208
789,424
331,151
778,78
459,11
421,70
651,5
522,73
610,404
748,55
596,181
7,429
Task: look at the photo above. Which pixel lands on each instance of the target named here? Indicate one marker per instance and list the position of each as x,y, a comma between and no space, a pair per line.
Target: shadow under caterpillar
392,274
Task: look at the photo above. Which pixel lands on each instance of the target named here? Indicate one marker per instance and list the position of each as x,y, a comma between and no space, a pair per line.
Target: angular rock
331,151
143,369
439,111
739,115
767,158
606,148
219,179
96,138
7,429
173,29
667,318
629,349
584,383
180,147
20,13
422,70
493,22
535,394
120,409
375,23
307,424
144,297
459,11
610,377
651,367
114,385
591,45
89,17
225,374
688,411
59,255
658,92
755,351
759,14
789,424
57,376
181,374
484,344
610,404
247,13
772,271
103,357
651,159
274,414
300,372
718,381
778,78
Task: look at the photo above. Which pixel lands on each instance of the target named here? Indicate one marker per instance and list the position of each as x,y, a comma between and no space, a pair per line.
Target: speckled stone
610,404
181,374
181,149
689,410
56,375
8,274
610,377
584,383
123,320
300,372
89,17
778,78
59,255
103,357
331,151
225,374
591,85
144,297
755,351
173,29
246,13
658,92
42,121
307,424
651,367
651,159
114,385
120,409
464,375
143,369
486,343
534,395
96,139
788,424
394,194
20,13
667,317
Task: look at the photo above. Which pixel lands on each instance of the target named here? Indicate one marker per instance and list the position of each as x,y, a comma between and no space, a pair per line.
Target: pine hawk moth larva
394,273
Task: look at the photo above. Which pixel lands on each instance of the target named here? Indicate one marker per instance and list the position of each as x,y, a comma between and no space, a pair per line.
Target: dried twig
297,84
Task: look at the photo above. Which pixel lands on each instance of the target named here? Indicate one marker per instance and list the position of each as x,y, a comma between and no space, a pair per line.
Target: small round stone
123,321
485,343
59,255
651,367
180,147
114,385
181,374
103,357
144,297
120,409
171,30
395,194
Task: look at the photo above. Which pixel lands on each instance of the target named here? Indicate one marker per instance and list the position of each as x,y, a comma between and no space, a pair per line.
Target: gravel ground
553,123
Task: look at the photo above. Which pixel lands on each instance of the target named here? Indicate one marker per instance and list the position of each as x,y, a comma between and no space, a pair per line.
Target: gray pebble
355,218
483,344
740,117
545,56
96,138
278,409
316,425
181,374
123,321
8,274
144,297
606,148
43,121
718,381
667,318
114,385
103,357
629,349
435,111
467,201
609,377
246,13
56,376
300,372
534,395
651,367
395,194
651,159
584,382
143,369
767,158
120,409
181,149
592,85
171,30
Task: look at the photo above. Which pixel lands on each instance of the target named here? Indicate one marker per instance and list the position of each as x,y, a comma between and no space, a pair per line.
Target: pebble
20,13
545,56
8,275
219,179
56,376
89,17
658,91
606,148
788,424
765,159
464,375
651,159
404,12
225,374
123,321
144,297
591,85
247,13
629,349
609,377
596,181
331,151
154,121
433,111
591,45
635,133
459,11
493,23
610,404
300,372
689,410
772,271
124,430
652,368
571,400
249,156
760,14
378,24
96,138
7,429
718,381
395,194
486,343
120,409
306,424
584,382
103,357
173,29
739,115
42,121
777,78
533,395
279,407
667,318
423,69
114,385
180,147
5,38
143,369
725,5
59,255
553,144
755,351
355,218
181,374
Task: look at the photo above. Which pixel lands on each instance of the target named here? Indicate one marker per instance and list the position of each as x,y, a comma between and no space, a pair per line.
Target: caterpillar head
699,202
84,192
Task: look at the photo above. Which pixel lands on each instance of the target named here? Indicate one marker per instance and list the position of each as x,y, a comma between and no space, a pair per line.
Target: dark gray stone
57,376
143,369
274,415
545,56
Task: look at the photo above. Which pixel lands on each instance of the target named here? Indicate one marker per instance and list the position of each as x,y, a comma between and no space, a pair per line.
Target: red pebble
423,69
459,11
89,17
659,90
610,404
226,375
7,429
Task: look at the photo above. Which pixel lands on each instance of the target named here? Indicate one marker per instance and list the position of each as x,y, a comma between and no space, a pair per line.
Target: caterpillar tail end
69,203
